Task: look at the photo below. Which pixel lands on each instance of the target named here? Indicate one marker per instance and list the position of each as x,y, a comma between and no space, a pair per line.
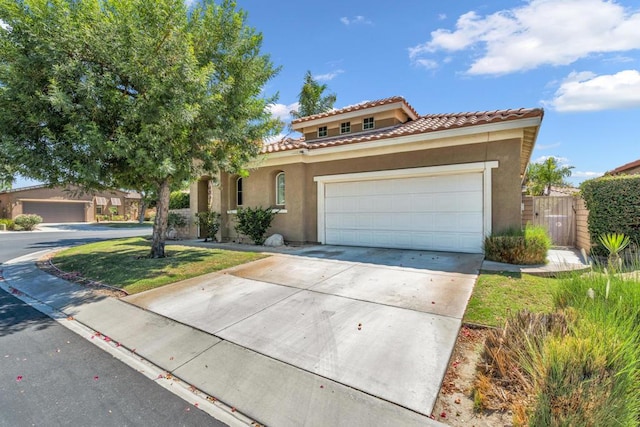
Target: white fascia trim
354,114
481,167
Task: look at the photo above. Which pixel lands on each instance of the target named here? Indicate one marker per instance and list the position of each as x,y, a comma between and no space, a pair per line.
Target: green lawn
123,263
497,294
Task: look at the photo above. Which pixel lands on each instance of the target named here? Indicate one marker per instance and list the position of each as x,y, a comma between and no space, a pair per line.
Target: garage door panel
55,211
442,212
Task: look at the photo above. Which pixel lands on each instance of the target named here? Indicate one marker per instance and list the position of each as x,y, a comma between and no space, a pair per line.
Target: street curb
189,393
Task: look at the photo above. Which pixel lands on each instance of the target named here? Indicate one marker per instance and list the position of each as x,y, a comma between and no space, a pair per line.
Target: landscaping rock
274,240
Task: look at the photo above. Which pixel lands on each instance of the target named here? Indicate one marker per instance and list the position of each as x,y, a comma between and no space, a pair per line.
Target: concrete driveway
325,330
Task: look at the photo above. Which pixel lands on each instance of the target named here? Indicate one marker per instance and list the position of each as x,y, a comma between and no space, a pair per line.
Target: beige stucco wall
299,223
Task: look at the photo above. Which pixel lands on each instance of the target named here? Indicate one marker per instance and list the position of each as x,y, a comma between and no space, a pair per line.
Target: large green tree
543,175
130,93
312,99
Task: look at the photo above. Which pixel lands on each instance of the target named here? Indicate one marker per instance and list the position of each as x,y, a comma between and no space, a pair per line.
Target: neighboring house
632,168
378,174
59,204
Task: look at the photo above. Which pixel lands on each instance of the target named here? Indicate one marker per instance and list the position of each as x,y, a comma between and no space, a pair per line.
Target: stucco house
379,174
58,204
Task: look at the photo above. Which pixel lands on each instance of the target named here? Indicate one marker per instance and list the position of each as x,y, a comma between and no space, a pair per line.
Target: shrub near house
514,246
27,222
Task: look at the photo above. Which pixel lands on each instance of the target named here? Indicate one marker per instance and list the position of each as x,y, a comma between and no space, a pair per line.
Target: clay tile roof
356,107
424,124
285,144
624,168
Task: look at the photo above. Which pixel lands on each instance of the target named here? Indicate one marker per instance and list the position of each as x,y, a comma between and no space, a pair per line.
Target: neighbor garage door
442,212
55,212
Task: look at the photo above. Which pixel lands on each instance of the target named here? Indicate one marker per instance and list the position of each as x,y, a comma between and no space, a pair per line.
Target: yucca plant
614,243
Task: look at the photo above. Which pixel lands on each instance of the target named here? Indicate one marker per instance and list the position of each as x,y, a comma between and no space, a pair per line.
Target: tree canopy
130,93
542,176
311,99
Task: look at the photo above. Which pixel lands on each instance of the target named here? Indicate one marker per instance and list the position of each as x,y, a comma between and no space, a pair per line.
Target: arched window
239,192
280,189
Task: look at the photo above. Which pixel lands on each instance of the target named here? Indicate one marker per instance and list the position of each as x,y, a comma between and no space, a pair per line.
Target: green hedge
179,200
614,207
514,246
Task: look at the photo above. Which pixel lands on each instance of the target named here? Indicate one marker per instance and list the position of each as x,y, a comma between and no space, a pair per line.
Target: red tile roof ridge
360,106
625,167
503,112
424,124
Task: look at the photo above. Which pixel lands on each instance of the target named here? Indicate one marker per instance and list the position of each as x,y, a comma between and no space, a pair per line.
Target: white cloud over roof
587,91
283,111
542,32
328,76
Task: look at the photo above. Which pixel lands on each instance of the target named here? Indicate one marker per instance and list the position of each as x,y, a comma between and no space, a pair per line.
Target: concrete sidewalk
559,260
262,387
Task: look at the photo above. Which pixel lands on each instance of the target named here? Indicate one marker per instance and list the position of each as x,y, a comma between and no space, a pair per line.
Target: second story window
368,123
322,131
345,127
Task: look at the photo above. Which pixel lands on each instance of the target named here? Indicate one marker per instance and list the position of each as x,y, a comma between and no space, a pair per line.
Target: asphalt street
50,376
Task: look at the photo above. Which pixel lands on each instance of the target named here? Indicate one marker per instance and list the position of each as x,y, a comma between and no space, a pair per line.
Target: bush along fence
614,207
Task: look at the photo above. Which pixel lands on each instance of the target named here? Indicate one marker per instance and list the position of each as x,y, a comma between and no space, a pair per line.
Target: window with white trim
368,123
322,131
239,192
345,127
280,189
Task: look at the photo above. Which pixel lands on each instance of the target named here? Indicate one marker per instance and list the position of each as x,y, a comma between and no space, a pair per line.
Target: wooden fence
565,217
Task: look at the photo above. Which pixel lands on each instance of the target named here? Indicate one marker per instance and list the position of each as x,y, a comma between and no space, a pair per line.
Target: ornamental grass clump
515,246
579,366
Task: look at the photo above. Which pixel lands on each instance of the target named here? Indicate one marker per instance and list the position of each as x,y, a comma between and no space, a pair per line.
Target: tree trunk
160,224
143,208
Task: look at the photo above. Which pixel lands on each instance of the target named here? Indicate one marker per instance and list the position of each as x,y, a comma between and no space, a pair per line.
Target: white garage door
443,213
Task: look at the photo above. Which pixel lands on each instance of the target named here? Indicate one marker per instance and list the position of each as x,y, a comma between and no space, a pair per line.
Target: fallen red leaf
443,414
19,378
96,378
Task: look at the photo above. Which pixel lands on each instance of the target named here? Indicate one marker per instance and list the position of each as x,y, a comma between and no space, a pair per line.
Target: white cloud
429,64
587,91
442,16
562,161
547,146
282,111
579,174
328,76
553,32
359,19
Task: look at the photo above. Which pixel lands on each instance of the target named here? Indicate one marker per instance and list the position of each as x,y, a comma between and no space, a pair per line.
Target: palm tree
311,99
542,176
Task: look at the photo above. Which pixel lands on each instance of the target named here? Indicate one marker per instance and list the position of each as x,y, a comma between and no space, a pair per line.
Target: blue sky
578,59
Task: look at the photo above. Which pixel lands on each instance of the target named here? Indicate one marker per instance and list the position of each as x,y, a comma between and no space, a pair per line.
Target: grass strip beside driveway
123,263
498,294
